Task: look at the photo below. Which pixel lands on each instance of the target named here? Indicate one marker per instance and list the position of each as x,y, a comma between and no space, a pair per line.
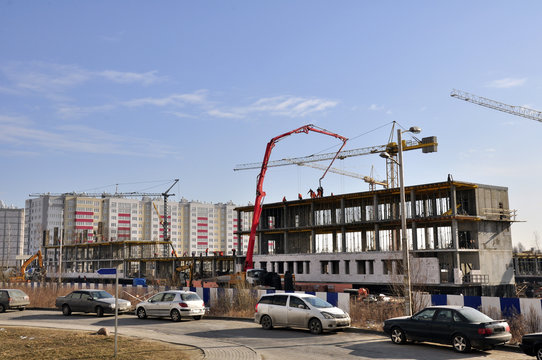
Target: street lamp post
404,239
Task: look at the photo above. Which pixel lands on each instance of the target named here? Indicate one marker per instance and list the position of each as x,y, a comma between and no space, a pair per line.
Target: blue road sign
107,271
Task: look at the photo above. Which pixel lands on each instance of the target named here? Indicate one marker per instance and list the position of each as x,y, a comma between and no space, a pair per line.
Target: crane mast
496,105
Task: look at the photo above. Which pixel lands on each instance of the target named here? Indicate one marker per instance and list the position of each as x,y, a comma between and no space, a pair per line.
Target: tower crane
368,179
427,144
260,194
496,105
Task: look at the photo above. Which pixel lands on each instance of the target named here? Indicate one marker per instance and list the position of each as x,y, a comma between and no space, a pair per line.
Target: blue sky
135,93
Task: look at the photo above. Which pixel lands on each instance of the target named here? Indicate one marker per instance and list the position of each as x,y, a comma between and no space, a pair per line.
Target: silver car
299,310
88,301
174,304
13,299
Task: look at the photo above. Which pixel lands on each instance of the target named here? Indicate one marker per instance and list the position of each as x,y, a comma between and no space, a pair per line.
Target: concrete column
311,216
287,249
313,242
375,208
342,212
413,223
455,237
343,238
377,237
335,247
363,240
285,220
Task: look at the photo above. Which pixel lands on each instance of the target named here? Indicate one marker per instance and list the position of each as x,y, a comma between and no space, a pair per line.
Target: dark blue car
460,326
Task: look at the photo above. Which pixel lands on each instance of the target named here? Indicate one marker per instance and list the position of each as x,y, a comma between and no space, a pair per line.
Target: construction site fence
493,306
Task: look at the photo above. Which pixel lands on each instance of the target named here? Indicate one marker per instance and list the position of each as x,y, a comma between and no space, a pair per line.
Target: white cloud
20,134
223,114
130,77
285,105
49,78
507,83
198,97
70,112
179,114
375,107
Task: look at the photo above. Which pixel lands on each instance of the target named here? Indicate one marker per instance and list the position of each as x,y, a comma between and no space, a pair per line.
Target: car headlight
327,315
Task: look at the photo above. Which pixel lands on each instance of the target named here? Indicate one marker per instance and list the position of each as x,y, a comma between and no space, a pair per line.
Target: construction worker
320,192
284,199
312,193
299,197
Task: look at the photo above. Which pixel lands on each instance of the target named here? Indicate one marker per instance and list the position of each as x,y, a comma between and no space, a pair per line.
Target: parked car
299,310
461,326
174,304
531,344
13,299
91,301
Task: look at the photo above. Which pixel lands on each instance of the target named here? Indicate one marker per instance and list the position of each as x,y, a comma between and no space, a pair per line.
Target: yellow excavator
38,273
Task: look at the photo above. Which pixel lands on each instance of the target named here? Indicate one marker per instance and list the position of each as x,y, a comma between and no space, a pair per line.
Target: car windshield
101,295
474,315
317,302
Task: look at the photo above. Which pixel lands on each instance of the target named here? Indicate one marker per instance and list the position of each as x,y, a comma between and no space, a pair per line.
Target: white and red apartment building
194,227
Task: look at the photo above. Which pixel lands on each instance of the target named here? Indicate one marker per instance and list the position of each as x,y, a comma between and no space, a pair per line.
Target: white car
172,303
299,310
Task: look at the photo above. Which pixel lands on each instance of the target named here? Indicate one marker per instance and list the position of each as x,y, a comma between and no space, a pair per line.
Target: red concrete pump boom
260,194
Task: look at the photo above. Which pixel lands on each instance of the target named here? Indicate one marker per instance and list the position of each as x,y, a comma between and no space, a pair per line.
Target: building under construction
459,235
151,260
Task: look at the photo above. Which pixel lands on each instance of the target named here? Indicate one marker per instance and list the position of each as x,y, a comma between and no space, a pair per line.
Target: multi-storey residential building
194,227
208,227
43,222
11,236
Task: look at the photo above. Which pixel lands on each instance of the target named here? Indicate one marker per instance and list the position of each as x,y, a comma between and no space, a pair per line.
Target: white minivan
299,310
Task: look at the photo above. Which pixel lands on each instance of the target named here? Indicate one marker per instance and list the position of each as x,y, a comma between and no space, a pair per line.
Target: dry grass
28,343
241,304
372,315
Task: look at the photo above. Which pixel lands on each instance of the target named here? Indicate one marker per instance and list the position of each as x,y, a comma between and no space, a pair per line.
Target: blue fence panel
333,298
439,299
207,296
510,307
473,301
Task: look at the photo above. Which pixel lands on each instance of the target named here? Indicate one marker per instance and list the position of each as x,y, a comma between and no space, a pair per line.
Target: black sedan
462,327
91,301
531,344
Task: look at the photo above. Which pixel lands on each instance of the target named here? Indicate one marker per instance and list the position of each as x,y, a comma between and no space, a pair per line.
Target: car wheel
141,313
267,323
461,343
175,315
398,336
21,309
539,353
99,311
315,326
197,317
66,311
2,308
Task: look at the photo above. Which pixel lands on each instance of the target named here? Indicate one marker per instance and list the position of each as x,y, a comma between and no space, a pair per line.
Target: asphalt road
234,339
